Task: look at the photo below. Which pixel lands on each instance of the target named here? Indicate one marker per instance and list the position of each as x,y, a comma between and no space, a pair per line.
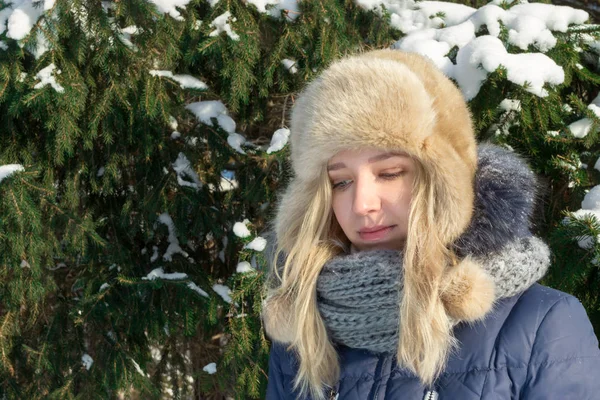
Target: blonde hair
307,245
426,330
313,237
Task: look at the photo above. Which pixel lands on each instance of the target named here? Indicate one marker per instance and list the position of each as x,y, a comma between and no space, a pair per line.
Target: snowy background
469,45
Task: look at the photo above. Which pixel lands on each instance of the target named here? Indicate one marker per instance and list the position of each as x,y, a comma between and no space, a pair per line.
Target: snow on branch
8,170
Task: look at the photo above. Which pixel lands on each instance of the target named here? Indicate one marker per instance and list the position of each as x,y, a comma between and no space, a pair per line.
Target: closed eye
341,185
388,176
391,175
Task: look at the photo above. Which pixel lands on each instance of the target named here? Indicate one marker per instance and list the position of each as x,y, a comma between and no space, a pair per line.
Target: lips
373,229
375,233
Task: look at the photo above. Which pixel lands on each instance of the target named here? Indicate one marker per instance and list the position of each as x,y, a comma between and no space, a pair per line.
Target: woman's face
371,196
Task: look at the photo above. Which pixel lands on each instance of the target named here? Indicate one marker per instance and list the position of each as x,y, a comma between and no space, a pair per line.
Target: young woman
403,265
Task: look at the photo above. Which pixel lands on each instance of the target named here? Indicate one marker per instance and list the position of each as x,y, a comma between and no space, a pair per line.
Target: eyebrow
371,160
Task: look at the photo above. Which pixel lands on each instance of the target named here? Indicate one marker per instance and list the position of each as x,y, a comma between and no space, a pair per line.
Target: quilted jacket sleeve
565,358
275,386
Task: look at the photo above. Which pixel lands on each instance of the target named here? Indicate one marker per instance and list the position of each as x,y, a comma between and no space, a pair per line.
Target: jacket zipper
431,395
333,393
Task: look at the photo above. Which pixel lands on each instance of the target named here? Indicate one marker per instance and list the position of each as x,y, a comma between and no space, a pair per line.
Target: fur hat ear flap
467,291
275,315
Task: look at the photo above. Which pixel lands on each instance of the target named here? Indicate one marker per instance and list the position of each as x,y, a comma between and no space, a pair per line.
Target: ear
275,315
467,291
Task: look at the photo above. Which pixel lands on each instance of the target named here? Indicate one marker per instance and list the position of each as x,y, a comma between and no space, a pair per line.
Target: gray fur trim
505,193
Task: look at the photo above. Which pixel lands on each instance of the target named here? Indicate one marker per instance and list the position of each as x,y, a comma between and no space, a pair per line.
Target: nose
366,197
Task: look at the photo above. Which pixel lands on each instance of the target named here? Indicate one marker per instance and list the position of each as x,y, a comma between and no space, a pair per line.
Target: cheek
336,204
405,201
400,203
340,210
406,208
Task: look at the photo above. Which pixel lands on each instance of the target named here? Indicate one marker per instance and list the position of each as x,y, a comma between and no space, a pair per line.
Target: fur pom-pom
275,315
468,291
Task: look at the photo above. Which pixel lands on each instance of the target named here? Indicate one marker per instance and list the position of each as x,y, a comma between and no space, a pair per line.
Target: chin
380,246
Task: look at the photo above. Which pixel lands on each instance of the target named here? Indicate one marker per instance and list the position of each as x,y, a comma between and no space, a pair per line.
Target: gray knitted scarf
358,294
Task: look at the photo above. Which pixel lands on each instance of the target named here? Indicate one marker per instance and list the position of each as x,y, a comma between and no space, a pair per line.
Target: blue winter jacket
535,345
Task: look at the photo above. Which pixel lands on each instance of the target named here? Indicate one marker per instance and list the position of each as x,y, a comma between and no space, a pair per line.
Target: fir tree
142,145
